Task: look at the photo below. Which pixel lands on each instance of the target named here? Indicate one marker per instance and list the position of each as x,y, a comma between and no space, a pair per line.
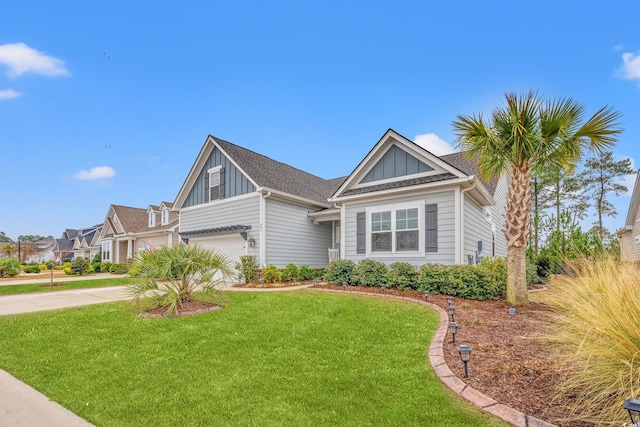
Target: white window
396,229
165,216
214,183
152,219
106,251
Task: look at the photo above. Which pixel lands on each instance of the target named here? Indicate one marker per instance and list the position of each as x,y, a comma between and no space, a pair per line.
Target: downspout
472,180
263,228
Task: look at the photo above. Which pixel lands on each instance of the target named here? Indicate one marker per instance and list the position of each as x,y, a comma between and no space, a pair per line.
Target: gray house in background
401,203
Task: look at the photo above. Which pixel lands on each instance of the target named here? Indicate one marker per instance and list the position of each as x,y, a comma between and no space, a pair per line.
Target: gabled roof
131,220
461,162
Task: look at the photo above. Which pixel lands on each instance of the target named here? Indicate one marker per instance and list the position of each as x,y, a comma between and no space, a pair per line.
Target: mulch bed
255,285
509,361
190,308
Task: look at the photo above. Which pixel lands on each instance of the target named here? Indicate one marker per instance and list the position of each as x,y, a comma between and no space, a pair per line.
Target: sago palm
171,277
529,133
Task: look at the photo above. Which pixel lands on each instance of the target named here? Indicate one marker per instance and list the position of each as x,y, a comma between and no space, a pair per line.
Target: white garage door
233,246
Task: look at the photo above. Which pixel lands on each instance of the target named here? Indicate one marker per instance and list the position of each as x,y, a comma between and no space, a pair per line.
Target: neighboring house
86,243
62,249
629,235
127,230
401,203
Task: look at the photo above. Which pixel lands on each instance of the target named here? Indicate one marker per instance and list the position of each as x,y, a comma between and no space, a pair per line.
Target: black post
466,372
19,258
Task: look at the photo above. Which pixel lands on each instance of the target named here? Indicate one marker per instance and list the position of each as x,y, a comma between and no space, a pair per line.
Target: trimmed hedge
402,275
369,272
338,271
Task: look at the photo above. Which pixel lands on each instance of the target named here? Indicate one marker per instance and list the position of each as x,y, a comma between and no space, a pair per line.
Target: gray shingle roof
399,184
270,173
470,167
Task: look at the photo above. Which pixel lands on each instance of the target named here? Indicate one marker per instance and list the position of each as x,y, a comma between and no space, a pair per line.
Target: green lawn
267,359
78,284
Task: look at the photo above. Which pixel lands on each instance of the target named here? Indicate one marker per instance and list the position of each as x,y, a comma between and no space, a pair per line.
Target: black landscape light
344,286
633,407
449,300
426,296
383,287
451,310
465,356
453,330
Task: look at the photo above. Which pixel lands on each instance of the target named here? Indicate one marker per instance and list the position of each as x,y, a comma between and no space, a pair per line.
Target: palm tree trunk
516,230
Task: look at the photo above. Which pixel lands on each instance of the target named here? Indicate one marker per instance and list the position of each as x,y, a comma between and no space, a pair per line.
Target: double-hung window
214,184
106,251
395,229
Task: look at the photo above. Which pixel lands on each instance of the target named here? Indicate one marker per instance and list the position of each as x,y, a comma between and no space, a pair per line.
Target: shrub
289,272
432,278
247,269
271,274
104,267
532,273
9,267
79,266
596,332
43,267
369,272
488,280
338,271
495,277
96,262
118,269
308,273
402,275
31,268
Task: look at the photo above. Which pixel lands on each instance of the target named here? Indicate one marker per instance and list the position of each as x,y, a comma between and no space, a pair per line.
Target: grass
77,284
277,359
597,333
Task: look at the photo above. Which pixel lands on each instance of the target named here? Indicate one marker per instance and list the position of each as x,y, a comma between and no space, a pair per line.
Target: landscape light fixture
449,299
633,408
344,286
512,310
426,296
465,356
453,330
315,281
451,310
261,282
383,287
294,279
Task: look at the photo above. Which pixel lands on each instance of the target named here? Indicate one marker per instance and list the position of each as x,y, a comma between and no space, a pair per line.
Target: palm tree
172,277
530,133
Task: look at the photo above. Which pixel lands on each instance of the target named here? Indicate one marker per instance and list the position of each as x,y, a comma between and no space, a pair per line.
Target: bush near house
289,272
9,267
369,272
402,275
104,266
118,269
31,268
338,271
247,269
271,274
79,266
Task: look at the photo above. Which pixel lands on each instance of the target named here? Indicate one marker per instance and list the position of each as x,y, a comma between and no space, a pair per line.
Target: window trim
164,216
109,251
152,219
211,172
394,253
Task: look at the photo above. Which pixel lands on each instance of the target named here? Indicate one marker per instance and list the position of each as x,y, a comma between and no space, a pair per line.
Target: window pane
407,240
381,242
407,219
381,221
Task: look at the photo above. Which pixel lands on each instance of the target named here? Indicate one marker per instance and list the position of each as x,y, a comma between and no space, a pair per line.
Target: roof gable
395,163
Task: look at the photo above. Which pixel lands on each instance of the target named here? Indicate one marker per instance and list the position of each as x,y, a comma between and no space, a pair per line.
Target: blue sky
110,102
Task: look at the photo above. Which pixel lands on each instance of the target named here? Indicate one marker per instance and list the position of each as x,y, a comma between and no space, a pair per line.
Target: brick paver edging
448,378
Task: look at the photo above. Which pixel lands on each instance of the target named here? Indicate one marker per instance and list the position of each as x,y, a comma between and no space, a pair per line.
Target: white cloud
434,144
99,172
630,69
9,94
20,59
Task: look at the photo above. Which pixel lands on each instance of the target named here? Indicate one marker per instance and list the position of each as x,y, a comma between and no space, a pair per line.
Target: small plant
289,272
79,266
31,268
247,269
307,273
369,272
271,274
9,267
338,271
96,262
118,269
104,267
402,275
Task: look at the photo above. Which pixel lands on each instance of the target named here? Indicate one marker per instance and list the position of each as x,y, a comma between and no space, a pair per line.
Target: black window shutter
361,232
221,190
206,187
431,228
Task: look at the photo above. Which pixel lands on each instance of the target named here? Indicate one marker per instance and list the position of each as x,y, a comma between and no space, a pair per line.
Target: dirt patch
510,362
51,285
271,285
188,309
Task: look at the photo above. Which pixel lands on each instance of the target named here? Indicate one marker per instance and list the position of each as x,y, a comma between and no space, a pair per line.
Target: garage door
233,246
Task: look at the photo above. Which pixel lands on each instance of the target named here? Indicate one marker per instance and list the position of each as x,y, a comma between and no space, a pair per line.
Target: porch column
129,249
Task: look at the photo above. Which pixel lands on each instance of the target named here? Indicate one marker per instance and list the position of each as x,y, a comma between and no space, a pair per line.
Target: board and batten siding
291,237
243,210
446,228
235,183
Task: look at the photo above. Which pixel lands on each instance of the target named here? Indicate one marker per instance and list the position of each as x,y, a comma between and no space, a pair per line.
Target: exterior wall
498,215
155,241
446,228
235,183
626,246
395,163
291,237
476,228
244,210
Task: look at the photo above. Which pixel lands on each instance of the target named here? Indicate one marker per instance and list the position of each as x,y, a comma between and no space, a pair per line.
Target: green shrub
495,277
135,269
402,275
532,273
432,277
9,267
96,262
289,272
271,274
31,268
307,273
338,271
369,272
118,269
487,280
104,267
247,269
79,266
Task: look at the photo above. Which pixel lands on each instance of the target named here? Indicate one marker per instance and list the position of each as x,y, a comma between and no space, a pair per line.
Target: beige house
127,231
629,235
87,242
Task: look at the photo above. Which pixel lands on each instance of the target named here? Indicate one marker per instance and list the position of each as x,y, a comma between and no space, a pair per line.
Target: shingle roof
136,220
270,173
470,167
399,184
